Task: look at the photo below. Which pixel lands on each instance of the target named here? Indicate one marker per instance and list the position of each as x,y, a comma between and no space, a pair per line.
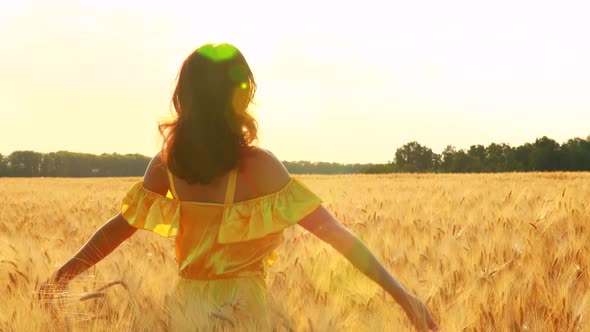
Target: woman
230,202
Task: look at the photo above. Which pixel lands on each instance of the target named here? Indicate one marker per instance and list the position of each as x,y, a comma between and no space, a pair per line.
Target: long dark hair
212,124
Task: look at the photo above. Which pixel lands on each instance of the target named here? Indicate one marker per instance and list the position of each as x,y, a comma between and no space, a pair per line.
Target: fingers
48,292
421,318
431,324
429,321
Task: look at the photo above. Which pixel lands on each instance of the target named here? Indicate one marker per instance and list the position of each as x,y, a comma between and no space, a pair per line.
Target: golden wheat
505,252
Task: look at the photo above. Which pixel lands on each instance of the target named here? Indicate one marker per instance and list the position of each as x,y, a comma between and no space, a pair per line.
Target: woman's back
259,173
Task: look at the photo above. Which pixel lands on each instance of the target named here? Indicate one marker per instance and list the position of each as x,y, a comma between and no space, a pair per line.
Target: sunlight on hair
238,73
240,100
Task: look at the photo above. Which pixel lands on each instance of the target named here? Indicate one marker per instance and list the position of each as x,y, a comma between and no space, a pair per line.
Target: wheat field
488,252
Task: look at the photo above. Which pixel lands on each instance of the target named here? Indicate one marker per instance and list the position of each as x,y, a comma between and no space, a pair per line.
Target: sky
338,81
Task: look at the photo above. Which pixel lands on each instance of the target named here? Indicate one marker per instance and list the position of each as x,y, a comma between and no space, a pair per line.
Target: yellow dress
223,250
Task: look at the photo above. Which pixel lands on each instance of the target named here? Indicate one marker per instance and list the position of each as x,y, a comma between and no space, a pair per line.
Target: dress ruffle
243,221
257,218
145,209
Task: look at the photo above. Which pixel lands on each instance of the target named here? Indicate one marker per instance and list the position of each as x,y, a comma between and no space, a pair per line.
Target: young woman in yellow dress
230,203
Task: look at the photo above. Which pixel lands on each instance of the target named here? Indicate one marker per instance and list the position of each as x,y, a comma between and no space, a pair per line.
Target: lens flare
218,52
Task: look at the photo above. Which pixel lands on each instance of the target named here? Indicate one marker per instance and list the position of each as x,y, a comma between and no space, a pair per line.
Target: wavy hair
212,126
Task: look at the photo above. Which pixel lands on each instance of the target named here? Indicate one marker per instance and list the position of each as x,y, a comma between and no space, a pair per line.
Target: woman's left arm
106,239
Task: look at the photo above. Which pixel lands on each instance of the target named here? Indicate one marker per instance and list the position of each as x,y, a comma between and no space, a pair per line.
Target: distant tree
379,169
355,168
463,162
306,167
413,157
136,164
478,158
448,158
576,154
545,155
522,158
298,167
24,163
62,164
436,162
47,168
70,164
478,151
2,166
499,158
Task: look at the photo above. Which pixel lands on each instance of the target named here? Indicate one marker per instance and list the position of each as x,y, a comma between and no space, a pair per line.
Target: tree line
545,154
71,164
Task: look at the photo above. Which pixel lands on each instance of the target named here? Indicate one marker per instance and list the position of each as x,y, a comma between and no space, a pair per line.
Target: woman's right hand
418,314
52,288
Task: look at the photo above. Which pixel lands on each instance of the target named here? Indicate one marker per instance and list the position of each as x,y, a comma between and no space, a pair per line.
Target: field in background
503,252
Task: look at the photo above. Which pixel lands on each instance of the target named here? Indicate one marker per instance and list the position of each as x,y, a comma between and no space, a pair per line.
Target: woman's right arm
274,175
328,229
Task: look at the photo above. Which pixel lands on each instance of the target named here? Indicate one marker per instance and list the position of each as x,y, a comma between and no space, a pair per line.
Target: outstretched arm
323,225
327,228
106,239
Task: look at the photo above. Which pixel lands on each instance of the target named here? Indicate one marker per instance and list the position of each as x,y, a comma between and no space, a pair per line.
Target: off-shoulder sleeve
270,214
151,211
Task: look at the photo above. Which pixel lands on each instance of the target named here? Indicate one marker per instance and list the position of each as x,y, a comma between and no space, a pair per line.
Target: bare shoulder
156,176
266,172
